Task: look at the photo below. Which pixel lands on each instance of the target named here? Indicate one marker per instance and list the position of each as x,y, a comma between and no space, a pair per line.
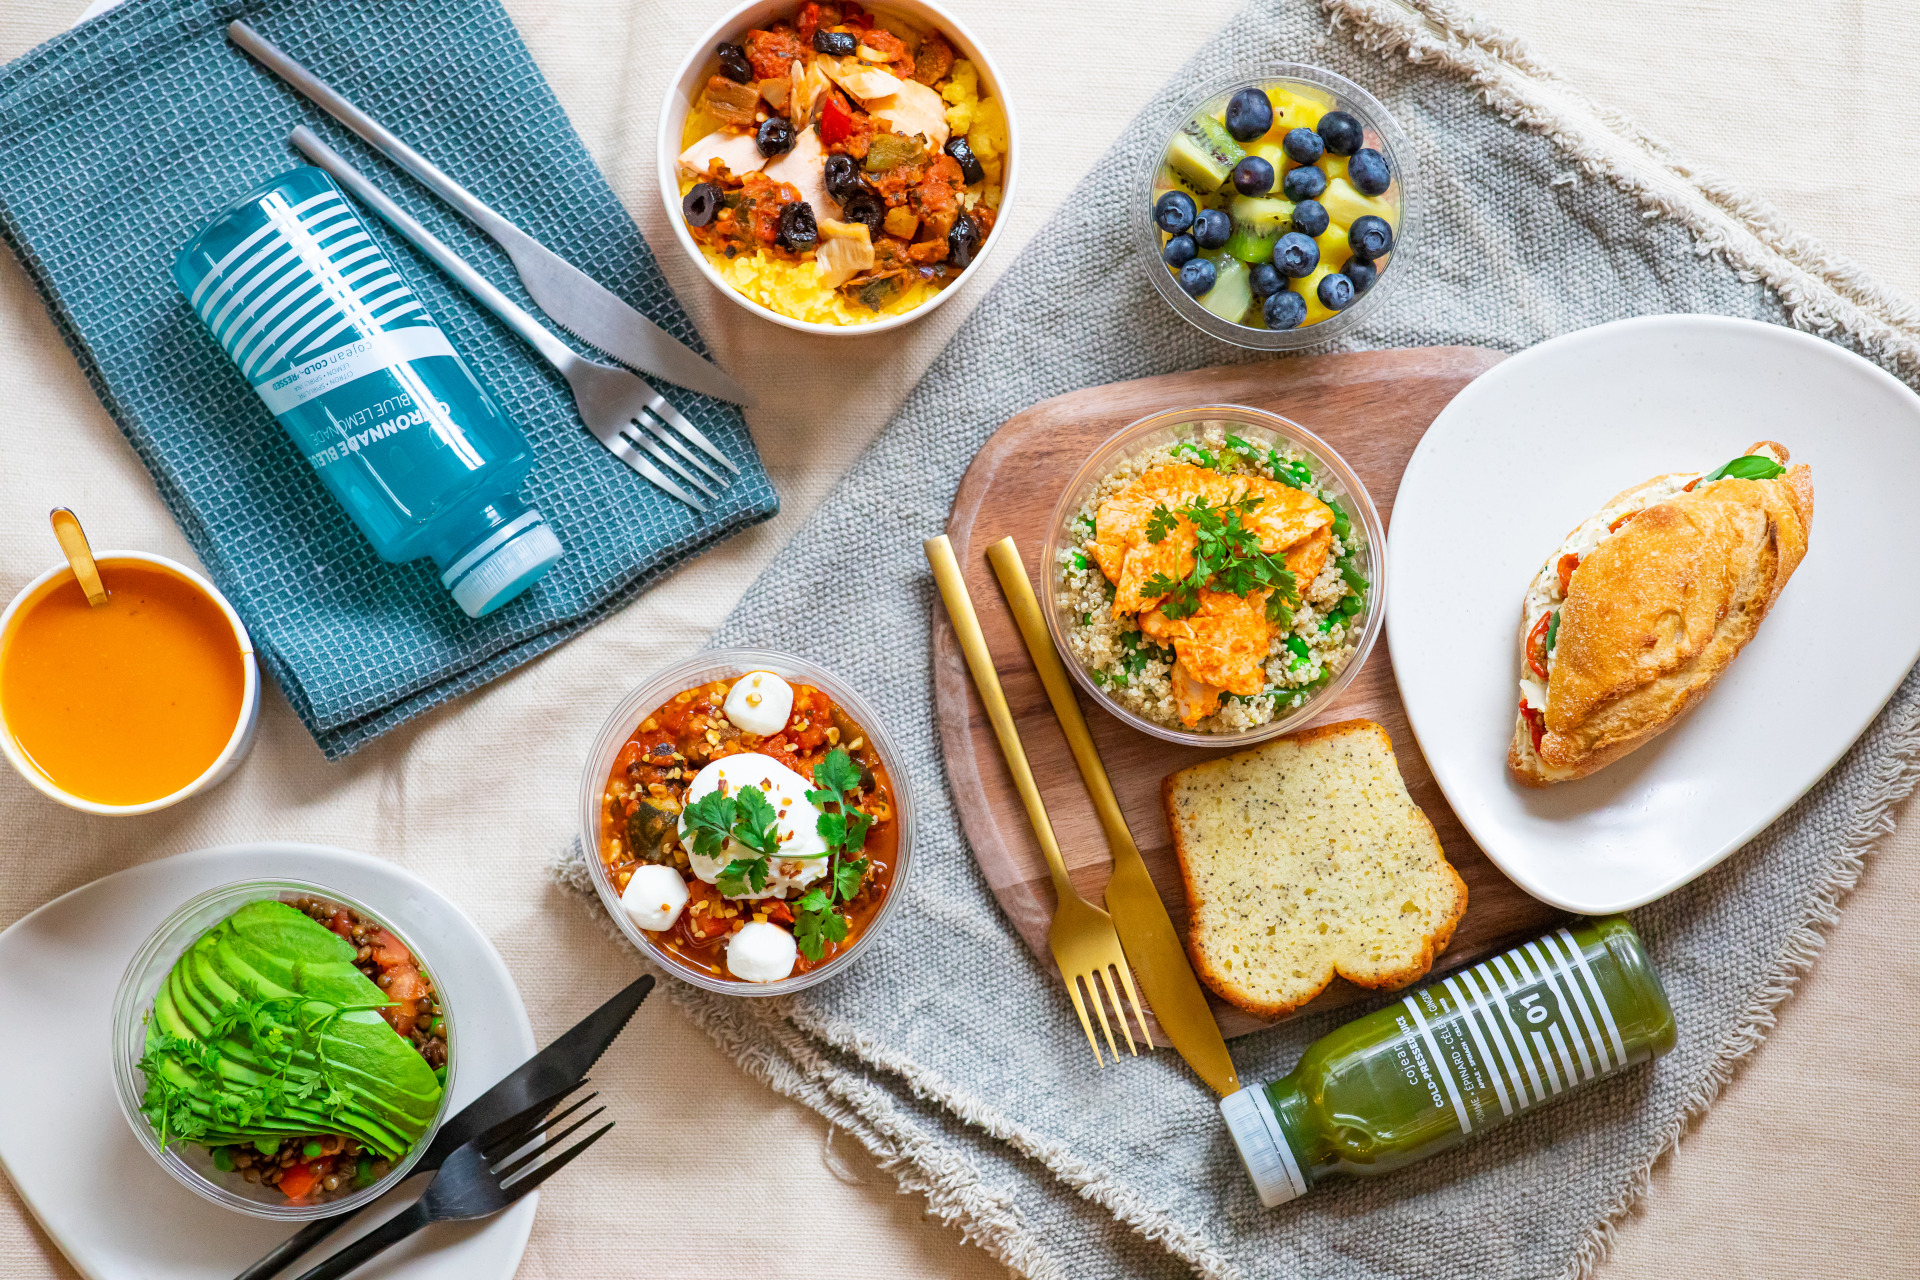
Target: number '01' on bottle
1462,1055
330,336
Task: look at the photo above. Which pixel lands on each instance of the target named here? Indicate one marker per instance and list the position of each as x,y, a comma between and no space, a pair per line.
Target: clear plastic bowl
1383,134
191,1164
1259,427
698,669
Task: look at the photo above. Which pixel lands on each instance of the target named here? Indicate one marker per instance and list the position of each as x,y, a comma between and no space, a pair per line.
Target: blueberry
1336,292
1363,274
1284,310
839,44
1211,227
1303,146
1196,277
1179,251
1368,171
1340,131
1253,177
1310,218
1265,280
700,204
734,65
1370,238
1249,114
1296,255
775,137
1304,183
1173,212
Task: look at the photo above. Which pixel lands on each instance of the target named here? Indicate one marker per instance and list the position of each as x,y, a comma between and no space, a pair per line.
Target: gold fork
1085,945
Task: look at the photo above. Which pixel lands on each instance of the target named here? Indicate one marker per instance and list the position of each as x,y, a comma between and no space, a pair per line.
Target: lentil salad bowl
282,1049
749,826
1213,575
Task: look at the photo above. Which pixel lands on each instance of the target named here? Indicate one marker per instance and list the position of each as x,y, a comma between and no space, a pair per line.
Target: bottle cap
1263,1145
487,581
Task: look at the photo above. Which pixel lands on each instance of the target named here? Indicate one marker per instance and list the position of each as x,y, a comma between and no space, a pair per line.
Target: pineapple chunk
1334,249
1345,204
1308,287
1296,107
1333,166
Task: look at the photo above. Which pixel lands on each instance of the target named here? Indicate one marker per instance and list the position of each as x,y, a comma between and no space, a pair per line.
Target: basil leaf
1752,466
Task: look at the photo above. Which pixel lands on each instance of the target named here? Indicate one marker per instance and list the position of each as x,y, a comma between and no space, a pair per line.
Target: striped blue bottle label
307,301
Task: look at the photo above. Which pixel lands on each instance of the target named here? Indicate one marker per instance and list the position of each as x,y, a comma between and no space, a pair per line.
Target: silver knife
570,297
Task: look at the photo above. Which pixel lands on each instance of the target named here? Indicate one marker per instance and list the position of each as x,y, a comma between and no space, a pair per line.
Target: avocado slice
384,1092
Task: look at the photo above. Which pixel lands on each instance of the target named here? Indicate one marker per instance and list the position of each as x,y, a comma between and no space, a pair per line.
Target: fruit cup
1279,210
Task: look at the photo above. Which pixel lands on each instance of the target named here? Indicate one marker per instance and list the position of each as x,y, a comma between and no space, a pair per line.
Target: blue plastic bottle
331,337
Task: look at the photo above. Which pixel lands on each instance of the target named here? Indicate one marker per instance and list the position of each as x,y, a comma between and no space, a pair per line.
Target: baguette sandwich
1634,618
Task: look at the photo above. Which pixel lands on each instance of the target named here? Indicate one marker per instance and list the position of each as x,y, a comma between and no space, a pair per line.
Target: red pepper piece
1537,645
1536,723
1568,563
836,122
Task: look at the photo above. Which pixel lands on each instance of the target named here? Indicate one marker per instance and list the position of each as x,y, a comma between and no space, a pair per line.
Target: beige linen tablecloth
1805,1167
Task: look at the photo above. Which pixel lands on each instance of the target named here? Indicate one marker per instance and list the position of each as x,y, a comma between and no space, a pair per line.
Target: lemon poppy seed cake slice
1303,858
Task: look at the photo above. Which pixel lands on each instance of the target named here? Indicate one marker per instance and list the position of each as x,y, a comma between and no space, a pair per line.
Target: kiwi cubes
1232,292
1203,154
1258,222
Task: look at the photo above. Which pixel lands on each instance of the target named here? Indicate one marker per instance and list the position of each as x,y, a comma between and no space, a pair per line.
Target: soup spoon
73,541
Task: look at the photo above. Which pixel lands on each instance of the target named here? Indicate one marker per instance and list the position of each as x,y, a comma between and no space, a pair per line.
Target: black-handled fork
561,1065
480,1179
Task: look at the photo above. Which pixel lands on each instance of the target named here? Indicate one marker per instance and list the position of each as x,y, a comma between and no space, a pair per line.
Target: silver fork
622,412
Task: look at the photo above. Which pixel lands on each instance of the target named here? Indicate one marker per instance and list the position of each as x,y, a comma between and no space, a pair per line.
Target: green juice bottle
1468,1053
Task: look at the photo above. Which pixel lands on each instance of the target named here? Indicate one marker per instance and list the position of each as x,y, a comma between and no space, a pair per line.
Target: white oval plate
64,1143
1533,447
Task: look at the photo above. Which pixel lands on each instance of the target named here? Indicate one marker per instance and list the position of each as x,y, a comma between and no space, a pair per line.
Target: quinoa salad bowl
1214,575
748,823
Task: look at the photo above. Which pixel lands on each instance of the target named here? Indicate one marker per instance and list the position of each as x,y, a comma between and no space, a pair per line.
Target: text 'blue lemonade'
331,337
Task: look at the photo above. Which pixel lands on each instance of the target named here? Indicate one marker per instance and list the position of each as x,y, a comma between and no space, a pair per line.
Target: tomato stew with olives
646,820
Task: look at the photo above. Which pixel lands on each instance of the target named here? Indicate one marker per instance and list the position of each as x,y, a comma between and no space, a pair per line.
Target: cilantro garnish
1227,557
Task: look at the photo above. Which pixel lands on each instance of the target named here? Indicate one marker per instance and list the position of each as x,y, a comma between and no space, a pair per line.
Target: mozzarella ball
760,703
654,897
796,821
761,952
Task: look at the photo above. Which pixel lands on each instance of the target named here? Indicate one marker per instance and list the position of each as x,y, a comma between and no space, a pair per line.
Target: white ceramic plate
1533,447
112,1210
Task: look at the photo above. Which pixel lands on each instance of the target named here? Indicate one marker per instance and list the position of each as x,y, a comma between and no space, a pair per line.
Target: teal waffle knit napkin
123,137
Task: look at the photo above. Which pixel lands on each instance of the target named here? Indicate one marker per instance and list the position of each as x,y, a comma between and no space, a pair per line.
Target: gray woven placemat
121,138
950,1052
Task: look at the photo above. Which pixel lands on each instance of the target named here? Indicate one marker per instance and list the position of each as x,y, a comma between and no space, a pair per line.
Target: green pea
363,1172
312,1150
223,1159
1326,623
267,1146
1351,605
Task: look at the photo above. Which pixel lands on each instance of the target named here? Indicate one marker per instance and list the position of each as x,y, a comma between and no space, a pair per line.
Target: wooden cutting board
1373,408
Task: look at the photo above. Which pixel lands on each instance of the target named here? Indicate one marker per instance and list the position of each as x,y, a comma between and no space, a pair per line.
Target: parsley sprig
750,823
1227,557
816,920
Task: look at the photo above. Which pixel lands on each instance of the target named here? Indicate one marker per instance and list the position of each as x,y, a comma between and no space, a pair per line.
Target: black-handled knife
558,1067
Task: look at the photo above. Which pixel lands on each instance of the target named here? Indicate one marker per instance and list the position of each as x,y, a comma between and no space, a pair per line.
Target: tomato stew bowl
658,691
191,1164
700,63
1129,447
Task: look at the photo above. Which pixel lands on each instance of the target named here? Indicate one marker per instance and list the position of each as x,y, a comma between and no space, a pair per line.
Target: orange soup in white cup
131,706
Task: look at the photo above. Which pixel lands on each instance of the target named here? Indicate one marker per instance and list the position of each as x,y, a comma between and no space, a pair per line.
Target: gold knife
1146,930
